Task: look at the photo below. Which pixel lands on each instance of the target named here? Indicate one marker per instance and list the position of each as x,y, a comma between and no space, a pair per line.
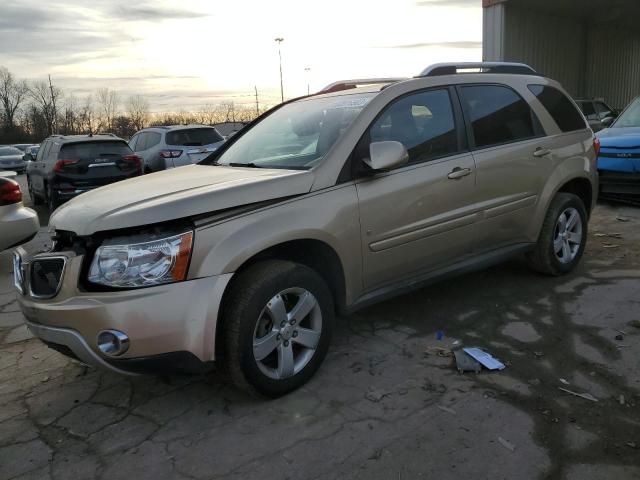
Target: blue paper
484,358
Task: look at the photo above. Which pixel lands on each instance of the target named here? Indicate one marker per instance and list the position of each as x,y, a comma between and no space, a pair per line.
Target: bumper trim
74,341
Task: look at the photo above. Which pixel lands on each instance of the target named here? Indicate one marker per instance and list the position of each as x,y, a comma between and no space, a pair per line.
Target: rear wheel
52,199
277,326
35,199
563,236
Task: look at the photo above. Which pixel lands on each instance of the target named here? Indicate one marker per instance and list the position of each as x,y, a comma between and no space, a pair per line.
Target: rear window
559,107
194,137
4,151
94,149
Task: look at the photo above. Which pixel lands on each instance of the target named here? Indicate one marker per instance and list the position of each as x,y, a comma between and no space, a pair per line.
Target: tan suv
325,204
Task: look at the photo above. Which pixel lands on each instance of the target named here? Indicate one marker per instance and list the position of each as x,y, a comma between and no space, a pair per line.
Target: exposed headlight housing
143,264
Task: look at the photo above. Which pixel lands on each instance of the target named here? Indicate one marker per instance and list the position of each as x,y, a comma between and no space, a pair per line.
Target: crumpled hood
628,137
173,194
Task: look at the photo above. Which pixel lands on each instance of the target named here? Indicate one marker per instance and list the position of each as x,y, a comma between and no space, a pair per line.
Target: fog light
112,342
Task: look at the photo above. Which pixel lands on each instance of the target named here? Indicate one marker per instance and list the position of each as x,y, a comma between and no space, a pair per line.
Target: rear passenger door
505,136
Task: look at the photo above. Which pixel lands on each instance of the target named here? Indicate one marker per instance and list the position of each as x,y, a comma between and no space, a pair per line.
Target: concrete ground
385,404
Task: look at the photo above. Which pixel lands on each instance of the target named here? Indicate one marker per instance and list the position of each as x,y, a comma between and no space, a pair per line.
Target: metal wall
600,61
613,65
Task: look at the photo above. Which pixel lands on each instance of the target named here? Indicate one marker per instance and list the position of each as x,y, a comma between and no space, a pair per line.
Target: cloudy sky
182,54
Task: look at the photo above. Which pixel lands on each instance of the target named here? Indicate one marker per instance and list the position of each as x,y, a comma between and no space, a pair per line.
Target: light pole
307,69
280,40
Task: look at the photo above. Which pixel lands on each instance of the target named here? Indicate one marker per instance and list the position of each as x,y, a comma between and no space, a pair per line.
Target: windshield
630,117
298,135
7,151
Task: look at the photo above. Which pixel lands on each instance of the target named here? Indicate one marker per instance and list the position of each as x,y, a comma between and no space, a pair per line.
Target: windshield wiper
248,165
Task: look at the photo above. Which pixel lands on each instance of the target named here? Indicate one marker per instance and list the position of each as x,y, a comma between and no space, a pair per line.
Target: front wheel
277,323
563,236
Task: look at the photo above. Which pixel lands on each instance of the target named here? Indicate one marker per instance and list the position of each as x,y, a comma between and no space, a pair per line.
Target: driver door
421,216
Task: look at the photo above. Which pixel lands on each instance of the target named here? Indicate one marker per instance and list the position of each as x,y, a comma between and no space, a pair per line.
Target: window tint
587,109
42,154
423,122
603,110
153,138
559,107
195,137
94,149
497,114
133,141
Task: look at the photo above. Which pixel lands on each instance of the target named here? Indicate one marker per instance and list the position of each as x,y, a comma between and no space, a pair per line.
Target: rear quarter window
195,137
561,109
94,149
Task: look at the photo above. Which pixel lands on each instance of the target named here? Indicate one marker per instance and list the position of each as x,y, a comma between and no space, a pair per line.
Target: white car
18,224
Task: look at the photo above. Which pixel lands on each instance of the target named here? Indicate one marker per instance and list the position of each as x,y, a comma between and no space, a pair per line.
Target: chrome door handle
458,173
541,152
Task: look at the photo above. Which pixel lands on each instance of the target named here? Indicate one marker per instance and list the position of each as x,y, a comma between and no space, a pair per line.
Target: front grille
45,276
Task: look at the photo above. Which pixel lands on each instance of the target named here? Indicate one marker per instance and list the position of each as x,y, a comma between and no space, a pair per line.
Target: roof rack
477,67
360,82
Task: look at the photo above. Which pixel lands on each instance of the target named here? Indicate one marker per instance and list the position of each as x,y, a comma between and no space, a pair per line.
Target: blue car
619,157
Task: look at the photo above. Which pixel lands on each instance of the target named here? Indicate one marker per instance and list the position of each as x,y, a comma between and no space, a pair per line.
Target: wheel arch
315,254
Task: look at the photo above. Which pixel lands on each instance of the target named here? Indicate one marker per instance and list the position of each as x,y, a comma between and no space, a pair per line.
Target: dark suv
69,165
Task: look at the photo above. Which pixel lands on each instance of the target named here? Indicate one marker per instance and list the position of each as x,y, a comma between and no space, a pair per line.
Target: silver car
167,147
11,158
18,224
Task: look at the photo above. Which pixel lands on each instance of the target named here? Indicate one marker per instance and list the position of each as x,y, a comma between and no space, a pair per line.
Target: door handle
541,152
458,173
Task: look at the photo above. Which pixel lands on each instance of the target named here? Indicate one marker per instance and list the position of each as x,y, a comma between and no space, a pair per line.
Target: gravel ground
384,405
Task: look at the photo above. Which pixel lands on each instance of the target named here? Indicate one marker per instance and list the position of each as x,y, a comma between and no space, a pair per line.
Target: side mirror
607,121
387,155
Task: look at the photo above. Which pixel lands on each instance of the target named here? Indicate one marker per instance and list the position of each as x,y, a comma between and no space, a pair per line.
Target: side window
53,152
142,142
423,122
153,138
43,151
559,107
602,110
132,142
498,115
588,110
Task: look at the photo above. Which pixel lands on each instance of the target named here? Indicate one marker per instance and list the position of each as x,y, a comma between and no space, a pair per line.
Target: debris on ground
439,335
484,358
620,218
534,381
610,245
539,354
465,363
634,323
619,337
507,444
446,409
621,400
562,380
632,444
586,396
438,351
375,395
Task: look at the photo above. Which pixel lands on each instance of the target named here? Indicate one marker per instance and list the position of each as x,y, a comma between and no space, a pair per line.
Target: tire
547,258
35,199
251,316
52,199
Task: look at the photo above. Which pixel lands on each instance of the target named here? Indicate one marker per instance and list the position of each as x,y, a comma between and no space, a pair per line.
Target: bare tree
87,116
108,102
12,94
44,97
138,111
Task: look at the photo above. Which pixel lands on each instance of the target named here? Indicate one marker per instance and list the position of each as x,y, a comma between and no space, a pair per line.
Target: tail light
596,146
133,159
9,192
60,165
170,153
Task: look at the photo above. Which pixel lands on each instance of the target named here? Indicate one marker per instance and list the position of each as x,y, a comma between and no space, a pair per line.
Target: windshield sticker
352,103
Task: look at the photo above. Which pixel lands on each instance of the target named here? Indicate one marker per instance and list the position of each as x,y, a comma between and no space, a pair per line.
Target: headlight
152,262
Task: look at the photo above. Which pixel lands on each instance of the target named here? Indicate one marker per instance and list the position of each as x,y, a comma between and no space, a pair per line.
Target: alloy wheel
567,236
287,333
